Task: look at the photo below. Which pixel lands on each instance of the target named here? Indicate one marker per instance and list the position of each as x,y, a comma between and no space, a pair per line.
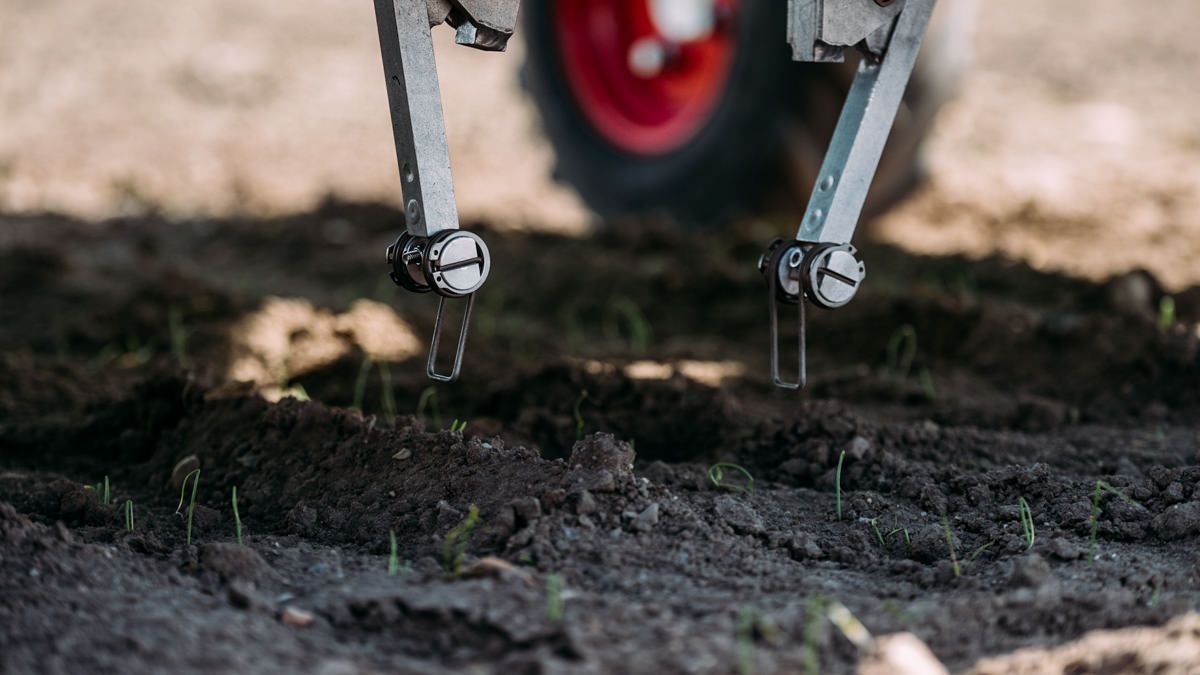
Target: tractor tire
757,147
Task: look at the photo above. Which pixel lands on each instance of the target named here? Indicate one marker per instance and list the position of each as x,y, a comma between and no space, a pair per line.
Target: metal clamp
453,264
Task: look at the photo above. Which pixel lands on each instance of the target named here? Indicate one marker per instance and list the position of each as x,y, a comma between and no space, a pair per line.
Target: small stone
527,509
491,566
1132,293
586,503
858,447
1178,521
403,453
1030,571
803,547
602,451
294,616
182,468
1064,550
740,516
647,519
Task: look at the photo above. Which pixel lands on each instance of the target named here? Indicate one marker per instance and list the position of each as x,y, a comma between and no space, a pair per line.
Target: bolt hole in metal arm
433,254
820,265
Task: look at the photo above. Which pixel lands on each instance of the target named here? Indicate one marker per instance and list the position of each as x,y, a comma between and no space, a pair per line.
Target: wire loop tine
431,364
773,300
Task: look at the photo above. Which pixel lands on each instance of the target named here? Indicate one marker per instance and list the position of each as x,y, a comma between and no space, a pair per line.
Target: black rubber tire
759,150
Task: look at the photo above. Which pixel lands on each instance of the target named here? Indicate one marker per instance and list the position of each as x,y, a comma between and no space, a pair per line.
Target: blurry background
1074,144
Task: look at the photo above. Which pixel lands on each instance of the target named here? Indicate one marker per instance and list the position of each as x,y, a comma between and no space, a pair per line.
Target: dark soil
119,341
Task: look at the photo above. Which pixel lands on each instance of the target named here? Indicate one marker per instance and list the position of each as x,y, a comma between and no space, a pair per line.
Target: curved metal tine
802,369
431,364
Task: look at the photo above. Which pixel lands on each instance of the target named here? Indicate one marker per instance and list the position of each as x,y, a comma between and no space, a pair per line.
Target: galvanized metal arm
433,254
820,264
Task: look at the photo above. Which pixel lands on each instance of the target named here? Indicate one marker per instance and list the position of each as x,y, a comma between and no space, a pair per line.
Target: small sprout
393,555
129,515
237,518
454,546
554,599
926,379
838,485
1027,527
902,350
1101,488
1166,313
296,391
894,531
878,534
950,546
179,337
429,400
192,505
579,416
360,382
388,398
814,624
716,474
744,626
106,497
458,427
975,554
639,328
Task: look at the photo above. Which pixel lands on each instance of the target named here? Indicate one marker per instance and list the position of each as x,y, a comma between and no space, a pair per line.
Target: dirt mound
621,492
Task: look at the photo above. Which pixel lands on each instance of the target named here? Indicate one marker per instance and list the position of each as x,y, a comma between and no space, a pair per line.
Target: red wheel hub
652,112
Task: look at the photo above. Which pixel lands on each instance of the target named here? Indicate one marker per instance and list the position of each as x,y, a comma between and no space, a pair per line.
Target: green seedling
716,474
129,515
639,328
429,400
106,496
360,382
579,416
237,518
927,387
878,534
194,475
1027,527
458,427
814,627
388,398
744,627
1166,313
975,554
950,546
568,316
1101,488
902,351
393,555
838,483
554,599
179,337
454,546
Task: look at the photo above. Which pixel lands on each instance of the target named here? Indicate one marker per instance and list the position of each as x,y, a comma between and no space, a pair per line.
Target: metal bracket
820,265
862,130
417,123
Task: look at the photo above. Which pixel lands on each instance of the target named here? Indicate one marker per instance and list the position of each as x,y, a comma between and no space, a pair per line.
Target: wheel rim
646,113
